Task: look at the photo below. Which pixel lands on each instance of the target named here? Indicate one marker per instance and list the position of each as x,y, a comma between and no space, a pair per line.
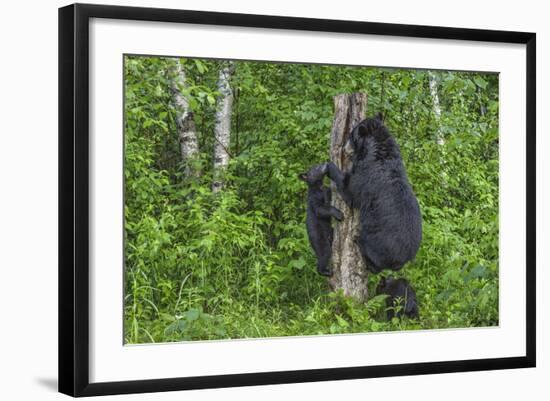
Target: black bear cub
402,298
377,185
318,217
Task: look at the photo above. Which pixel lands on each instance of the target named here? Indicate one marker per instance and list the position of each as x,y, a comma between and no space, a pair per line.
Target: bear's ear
302,176
380,117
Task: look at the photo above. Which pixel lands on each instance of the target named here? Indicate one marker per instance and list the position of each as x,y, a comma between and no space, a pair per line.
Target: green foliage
237,264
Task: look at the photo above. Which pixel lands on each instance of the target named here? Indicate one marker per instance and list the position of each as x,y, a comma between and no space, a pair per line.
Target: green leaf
167,317
192,314
341,321
177,327
200,66
480,82
297,263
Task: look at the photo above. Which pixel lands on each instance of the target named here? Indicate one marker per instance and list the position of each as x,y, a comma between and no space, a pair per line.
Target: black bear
377,185
318,216
401,299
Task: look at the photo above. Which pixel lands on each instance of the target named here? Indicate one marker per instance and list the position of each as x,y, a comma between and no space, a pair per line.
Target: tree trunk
436,107
187,132
439,137
222,129
348,265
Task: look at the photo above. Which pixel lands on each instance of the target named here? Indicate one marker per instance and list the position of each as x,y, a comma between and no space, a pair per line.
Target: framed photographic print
249,199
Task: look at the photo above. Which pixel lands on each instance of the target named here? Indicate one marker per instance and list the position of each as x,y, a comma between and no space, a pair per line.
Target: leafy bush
237,264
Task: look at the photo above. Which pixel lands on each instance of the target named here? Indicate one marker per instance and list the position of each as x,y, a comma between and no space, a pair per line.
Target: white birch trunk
187,132
440,138
436,107
348,265
222,129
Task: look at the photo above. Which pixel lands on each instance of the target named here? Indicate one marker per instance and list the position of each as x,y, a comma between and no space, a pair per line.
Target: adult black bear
377,185
318,215
402,298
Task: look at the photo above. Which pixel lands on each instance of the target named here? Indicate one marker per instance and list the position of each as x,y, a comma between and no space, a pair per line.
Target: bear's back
389,210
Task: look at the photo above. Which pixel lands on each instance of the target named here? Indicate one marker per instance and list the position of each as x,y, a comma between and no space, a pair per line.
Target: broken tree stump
348,265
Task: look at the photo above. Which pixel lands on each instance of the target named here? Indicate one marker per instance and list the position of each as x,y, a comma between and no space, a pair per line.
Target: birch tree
432,80
348,265
222,129
439,137
187,132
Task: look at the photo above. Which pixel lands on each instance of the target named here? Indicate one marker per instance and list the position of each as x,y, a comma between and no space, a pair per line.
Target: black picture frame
74,198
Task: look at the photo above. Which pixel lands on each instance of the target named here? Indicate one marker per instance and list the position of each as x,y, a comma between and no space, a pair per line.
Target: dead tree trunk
348,265
222,129
187,132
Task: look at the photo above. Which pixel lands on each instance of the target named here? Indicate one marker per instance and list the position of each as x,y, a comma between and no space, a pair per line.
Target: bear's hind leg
324,258
372,259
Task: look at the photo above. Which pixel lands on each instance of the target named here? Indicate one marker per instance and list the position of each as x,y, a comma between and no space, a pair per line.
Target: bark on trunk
436,107
348,265
187,132
439,137
222,129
